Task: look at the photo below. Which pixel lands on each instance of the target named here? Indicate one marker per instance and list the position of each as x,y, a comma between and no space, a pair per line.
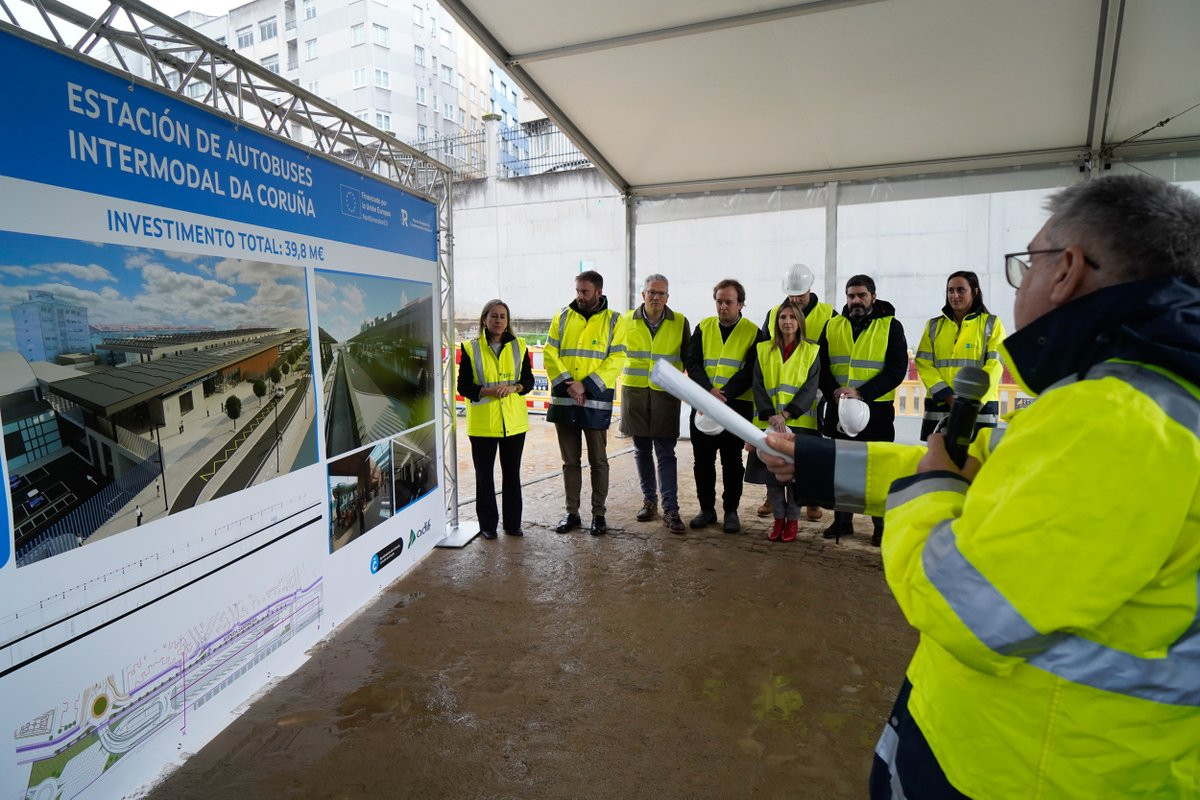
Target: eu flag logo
351,202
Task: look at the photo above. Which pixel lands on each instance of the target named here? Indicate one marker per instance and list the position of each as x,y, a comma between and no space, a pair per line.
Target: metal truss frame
247,93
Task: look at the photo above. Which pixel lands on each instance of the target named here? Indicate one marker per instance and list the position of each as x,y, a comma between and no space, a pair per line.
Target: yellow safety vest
590,350
493,416
946,347
642,349
722,359
852,361
783,380
814,321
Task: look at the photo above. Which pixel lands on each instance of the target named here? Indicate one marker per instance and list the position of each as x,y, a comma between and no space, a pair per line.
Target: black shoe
649,511
672,521
569,523
838,529
732,524
599,526
516,532
877,536
488,534
702,519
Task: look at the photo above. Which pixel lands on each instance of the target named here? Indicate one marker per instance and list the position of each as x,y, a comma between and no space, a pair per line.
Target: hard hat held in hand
797,280
708,425
853,416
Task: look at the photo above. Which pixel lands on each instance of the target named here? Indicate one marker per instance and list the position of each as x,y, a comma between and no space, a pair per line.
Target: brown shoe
813,513
765,509
673,522
649,511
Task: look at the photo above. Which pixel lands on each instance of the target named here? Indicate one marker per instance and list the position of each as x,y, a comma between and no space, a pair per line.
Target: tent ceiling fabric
669,96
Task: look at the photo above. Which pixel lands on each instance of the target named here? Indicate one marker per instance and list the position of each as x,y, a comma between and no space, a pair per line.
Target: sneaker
703,519
789,531
599,526
776,530
765,509
732,523
568,523
813,513
649,511
672,521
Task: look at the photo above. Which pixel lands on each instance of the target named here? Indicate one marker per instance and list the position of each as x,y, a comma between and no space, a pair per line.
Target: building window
267,29
271,63
196,90
447,41
418,16
360,77
513,95
383,78
422,132
381,34
220,40
458,84
448,111
421,95
361,115
245,36
433,62
314,87
474,122
472,93
310,9
462,116
310,49
447,74
419,55
383,121
358,34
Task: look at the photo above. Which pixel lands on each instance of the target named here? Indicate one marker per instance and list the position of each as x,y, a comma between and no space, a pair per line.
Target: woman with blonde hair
494,372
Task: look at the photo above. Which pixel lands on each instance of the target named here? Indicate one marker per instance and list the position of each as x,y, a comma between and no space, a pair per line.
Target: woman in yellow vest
786,378
965,335
493,373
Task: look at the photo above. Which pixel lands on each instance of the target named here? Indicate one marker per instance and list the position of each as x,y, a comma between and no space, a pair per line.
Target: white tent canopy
672,97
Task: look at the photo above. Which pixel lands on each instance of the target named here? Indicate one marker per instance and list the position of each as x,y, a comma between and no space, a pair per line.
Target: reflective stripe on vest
998,624
494,416
722,359
642,349
784,379
852,361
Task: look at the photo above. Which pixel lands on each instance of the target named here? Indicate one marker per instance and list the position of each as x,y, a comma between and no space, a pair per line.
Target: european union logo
351,202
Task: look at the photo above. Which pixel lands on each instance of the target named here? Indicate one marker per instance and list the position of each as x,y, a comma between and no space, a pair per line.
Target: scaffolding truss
180,59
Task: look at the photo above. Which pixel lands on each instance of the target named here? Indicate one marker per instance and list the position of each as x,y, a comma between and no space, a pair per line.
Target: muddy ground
639,664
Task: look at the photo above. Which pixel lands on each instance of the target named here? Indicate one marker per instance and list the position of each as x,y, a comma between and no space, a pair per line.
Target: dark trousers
483,453
880,428
904,766
704,467
645,449
570,446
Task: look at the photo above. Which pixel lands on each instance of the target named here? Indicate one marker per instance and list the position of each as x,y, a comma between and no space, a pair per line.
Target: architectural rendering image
376,340
414,463
360,493
135,383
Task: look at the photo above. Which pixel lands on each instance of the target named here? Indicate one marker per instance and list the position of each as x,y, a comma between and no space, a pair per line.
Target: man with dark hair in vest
721,360
653,332
863,356
583,356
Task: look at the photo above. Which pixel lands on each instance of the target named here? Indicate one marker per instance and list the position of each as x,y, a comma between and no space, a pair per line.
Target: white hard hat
706,424
797,280
853,416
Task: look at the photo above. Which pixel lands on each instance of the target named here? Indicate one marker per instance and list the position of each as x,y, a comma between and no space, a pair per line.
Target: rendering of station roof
167,344
114,389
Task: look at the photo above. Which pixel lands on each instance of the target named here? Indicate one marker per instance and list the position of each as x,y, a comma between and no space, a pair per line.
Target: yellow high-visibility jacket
946,347
722,359
590,350
852,361
642,349
783,380
493,416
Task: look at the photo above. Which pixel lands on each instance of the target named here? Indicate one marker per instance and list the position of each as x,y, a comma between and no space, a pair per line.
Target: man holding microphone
1055,576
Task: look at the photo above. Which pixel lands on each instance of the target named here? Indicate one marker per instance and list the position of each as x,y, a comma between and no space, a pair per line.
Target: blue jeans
645,450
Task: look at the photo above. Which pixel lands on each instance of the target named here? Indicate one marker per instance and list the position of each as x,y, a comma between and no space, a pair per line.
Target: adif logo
404,217
419,532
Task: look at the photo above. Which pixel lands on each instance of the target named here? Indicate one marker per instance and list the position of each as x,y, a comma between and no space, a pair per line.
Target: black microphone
970,386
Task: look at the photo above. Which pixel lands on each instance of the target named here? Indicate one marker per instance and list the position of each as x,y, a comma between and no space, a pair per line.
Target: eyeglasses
650,293
1016,265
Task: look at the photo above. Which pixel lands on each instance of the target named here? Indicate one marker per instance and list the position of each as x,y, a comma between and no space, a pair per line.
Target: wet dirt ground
639,664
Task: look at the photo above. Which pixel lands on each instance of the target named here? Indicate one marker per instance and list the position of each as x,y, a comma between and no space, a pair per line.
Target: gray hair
1135,226
651,278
